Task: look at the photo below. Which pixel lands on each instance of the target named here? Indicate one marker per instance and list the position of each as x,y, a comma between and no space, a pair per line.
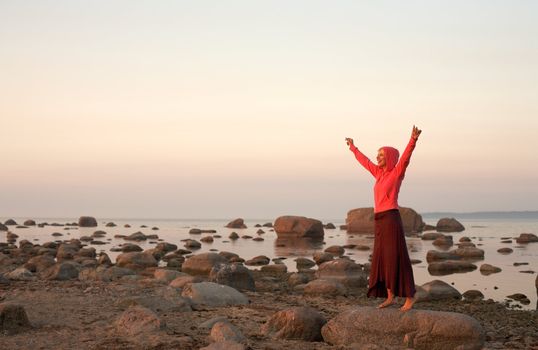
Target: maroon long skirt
391,267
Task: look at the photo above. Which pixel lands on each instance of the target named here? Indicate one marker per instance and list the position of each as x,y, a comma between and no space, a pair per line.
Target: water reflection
297,246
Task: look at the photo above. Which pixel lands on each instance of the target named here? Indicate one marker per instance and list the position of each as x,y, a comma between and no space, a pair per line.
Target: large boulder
449,225
526,238
138,320
302,323
237,223
441,268
213,294
201,264
418,329
136,260
344,271
361,220
13,318
87,221
234,275
298,226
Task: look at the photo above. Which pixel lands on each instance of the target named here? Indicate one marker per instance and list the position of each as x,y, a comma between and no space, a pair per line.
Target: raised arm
365,162
406,156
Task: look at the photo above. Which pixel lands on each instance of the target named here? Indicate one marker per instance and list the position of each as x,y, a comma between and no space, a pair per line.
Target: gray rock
225,331
233,275
66,251
130,247
13,318
438,290
298,226
213,294
344,271
449,225
3,227
326,288
201,264
418,329
87,221
302,323
361,220
138,320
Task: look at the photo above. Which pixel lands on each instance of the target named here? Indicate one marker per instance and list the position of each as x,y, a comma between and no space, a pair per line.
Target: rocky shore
64,295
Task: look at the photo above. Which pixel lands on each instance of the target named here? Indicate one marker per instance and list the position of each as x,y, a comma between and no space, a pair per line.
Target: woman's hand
415,133
349,141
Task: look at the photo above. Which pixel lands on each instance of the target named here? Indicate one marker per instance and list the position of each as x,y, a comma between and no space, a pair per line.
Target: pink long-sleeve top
387,180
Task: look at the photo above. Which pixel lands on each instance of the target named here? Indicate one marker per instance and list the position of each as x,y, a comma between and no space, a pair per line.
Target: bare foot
408,305
386,303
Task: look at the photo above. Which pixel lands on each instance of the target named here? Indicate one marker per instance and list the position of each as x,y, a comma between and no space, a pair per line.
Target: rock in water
361,220
298,226
437,290
449,225
87,221
303,323
418,329
237,223
13,318
138,320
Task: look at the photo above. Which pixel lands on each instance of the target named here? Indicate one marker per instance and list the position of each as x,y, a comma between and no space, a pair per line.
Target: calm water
486,233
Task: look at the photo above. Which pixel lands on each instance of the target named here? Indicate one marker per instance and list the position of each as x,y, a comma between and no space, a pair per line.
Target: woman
391,273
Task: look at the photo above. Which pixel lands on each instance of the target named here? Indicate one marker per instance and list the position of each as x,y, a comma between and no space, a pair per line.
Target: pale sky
224,109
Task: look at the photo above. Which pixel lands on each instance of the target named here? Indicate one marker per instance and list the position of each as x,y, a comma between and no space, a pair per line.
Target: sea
486,230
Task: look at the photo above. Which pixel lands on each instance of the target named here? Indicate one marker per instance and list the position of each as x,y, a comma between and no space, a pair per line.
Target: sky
225,109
